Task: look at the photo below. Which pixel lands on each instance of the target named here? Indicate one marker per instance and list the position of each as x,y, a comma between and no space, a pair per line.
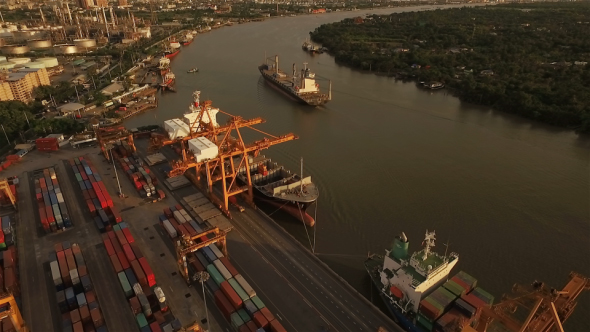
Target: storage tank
19,61
5,65
65,49
49,62
35,64
85,43
37,44
15,49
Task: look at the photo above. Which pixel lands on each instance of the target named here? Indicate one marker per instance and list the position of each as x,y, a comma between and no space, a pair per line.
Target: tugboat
302,87
433,85
193,70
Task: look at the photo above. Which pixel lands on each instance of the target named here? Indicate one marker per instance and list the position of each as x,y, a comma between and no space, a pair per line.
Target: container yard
53,212
76,298
232,294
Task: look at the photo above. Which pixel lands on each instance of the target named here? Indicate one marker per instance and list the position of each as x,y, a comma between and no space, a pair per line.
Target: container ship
279,187
417,290
302,88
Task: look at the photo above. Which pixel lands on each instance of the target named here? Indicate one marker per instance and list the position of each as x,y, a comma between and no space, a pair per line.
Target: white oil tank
39,44
5,65
49,62
15,49
85,43
65,49
19,61
35,64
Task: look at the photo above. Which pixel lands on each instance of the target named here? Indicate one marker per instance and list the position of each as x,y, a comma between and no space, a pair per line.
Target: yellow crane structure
534,308
187,244
5,187
231,147
12,313
107,136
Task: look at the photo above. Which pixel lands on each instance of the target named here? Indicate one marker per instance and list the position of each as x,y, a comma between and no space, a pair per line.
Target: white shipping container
178,216
137,289
60,197
245,285
203,148
55,273
216,250
169,228
75,277
222,269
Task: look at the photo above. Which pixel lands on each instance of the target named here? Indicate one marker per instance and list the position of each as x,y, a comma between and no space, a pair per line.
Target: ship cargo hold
301,87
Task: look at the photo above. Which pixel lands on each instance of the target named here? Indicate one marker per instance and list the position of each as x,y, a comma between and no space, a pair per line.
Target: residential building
19,85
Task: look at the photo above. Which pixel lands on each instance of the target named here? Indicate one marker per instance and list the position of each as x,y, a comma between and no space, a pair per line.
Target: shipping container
214,273
239,290
245,285
223,304
221,268
229,266
231,295
125,284
483,295
139,273
267,314
169,229
209,254
149,274
250,307
258,302
236,320
275,326
260,320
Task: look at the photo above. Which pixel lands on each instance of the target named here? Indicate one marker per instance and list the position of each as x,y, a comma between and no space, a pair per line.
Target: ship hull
289,207
290,93
172,55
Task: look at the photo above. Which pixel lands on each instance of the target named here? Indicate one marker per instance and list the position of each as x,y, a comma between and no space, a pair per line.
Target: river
509,195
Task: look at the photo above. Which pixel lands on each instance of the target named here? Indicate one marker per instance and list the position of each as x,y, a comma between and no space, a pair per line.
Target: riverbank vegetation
530,60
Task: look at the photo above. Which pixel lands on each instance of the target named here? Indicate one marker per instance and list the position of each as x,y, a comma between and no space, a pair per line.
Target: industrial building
19,85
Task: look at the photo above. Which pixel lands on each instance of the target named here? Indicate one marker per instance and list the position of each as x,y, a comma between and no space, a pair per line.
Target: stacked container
9,270
97,198
177,222
136,277
75,293
6,233
140,175
53,211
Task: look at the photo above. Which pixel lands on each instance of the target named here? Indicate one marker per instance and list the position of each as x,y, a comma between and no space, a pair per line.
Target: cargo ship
279,187
302,87
187,40
417,290
168,81
164,65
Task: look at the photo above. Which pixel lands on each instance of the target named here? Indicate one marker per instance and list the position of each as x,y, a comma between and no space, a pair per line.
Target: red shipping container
231,294
121,237
103,188
136,250
135,305
83,174
116,214
191,231
90,297
244,328
123,260
182,230
75,316
139,274
178,207
91,207
39,197
103,202
49,213
91,193
116,264
128,235
43,215
149,274
223,304
168,213
155,327
128,252
84,314
251,326
92,180
275,326
7,163
269,317
82,270
78,327
112,235
109,200
86,194
197,265
229,266
109,247
117,245
260,320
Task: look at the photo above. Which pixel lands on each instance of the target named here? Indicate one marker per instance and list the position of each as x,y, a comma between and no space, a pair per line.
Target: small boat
433,85
193,70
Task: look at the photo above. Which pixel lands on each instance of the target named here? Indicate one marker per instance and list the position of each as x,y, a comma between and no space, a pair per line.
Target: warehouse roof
70,107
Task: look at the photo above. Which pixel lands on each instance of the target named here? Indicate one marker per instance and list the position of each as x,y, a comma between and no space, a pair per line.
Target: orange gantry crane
107,136
231,147
5,187
187,244
12,313
534,308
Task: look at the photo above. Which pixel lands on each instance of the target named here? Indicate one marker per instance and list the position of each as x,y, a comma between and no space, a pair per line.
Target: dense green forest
530,60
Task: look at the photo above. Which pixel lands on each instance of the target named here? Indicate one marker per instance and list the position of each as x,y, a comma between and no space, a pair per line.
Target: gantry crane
106,136
187,244
545,308
5,187
230,145
12,313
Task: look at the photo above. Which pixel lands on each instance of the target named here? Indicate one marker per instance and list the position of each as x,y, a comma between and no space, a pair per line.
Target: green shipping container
2,245
236,320
454,288
241,293
141,321
258,302
214,273
78,177
116,228
125,284
435,303
424,322
244,315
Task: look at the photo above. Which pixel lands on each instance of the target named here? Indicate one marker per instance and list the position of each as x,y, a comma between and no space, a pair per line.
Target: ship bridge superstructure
417,275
